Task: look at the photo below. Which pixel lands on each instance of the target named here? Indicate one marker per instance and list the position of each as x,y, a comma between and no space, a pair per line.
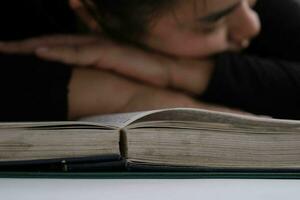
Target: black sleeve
264,79
33,90
261,86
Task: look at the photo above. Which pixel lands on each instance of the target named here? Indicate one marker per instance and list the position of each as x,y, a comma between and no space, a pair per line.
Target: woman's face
201,28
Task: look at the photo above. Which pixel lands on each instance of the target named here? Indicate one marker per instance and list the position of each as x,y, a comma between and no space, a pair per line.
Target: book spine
123,143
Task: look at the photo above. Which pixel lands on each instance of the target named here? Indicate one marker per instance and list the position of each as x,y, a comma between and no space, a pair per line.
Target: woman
192,35
37,90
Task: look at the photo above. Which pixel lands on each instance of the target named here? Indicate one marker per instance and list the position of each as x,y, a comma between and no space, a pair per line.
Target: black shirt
264,80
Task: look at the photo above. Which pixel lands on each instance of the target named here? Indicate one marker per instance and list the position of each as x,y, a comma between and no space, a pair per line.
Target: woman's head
188,28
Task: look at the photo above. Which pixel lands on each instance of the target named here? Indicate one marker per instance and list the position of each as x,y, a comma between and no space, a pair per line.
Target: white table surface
61,189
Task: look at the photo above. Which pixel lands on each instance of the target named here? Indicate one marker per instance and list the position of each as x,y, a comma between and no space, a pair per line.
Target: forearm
94,92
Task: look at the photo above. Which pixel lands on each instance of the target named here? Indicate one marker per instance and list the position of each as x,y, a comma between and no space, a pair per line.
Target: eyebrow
219,14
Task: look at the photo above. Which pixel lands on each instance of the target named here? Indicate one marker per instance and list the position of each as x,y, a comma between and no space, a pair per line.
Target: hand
191,76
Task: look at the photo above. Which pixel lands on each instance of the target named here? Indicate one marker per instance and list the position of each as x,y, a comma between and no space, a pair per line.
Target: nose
244,24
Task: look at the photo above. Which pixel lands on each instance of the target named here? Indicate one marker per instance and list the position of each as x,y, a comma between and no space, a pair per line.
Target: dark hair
126,20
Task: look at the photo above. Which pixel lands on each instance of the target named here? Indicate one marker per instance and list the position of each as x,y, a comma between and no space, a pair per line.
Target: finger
30,45
65,54
57,40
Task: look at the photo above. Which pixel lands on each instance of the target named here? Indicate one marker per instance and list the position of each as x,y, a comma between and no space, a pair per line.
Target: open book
171,139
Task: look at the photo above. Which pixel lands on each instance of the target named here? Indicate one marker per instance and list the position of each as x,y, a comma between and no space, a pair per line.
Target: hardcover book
162,140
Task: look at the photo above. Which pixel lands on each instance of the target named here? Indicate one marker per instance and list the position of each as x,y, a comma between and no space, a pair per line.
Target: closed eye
215,17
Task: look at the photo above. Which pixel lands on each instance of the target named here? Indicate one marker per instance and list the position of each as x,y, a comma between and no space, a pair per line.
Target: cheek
195,45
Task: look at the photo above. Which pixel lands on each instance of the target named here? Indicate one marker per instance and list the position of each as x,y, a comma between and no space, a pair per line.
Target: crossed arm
188,75
139,84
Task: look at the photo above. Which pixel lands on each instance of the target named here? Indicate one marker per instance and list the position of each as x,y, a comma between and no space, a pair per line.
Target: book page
206,116
205,139
44,144
117,120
